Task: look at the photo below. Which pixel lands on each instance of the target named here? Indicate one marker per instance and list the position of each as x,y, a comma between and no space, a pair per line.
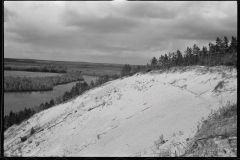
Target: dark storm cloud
114,32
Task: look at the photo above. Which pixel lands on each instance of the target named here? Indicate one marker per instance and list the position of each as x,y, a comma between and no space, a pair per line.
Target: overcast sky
110,31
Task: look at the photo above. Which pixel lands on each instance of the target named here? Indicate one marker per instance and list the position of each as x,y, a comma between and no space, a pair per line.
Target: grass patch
222,122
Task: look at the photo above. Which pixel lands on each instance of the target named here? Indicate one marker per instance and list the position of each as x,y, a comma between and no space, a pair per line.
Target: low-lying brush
23,139
220,123
32,131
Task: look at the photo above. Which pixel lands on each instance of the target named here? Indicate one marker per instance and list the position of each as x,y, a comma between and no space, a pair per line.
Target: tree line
78,89
39,83
53,69
220,53
223,52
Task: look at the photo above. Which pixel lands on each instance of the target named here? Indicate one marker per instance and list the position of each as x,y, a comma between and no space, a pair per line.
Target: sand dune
125,116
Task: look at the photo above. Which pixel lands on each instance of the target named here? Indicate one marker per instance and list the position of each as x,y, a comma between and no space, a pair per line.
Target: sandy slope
127,115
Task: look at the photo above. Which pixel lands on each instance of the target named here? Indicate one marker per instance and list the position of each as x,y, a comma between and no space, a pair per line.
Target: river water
17,101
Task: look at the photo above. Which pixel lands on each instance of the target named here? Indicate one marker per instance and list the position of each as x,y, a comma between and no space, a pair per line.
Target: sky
121,32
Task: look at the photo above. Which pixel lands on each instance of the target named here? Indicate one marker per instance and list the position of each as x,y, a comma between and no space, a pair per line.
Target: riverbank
35,98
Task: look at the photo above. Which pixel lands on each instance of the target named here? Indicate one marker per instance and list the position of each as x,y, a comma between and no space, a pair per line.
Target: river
17,101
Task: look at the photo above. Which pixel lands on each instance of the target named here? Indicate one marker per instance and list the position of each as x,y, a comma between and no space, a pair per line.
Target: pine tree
165,61
169,58
153,62
11,119
211,53
218,45
233,45
179,58
173,60
46,106
51,103
137,69
195,51
204,55
189,56
225,43
92,84
160,61
126,70
219,50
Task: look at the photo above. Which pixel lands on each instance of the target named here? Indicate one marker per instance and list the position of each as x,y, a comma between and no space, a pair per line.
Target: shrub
222,122
32,131
159,142
148,70
23,139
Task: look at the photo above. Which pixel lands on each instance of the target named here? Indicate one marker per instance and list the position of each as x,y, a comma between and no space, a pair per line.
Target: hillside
126,116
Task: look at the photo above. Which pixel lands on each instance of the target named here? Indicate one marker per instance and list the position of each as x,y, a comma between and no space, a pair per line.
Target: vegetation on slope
78,89
217,135
222,122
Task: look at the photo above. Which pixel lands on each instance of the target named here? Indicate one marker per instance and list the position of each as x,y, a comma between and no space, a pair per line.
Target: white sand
128,115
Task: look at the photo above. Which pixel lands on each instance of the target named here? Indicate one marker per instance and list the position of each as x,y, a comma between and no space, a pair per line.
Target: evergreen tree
138,68
92,84
161,61
126,70
66,96
51,103
41,107
179,58
233,45
218,46
225,44
211,53
195,51
165,60
153,62
204,55
189,56
58,100
46,106
11,118
170,59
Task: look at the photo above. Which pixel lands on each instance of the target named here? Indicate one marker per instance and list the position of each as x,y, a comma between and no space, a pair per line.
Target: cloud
151,10
120,32
108,24
8,14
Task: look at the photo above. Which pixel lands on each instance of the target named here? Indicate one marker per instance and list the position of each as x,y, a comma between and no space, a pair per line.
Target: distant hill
87,68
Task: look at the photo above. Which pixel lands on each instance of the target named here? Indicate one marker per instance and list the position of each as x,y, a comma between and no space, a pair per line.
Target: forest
52,69
222,52
39,83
